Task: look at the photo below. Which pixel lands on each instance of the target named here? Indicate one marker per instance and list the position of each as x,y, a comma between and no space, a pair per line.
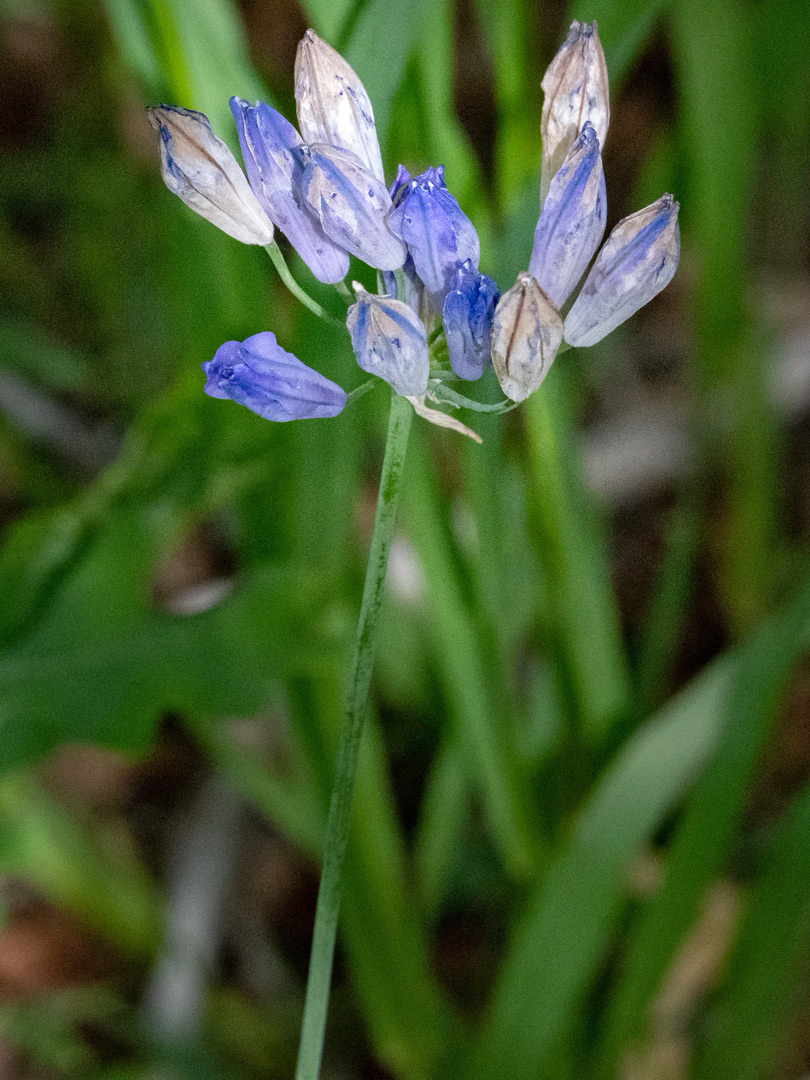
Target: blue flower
637,261
200,169
352,205
389,340
439,235
572,220
271,148
258,373
468,311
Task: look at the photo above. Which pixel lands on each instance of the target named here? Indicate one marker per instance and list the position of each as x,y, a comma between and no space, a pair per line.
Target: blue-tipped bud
526,334
352,205
200,169
467,314
271,149
575,88
439,235
332,104
638,260
258,373
572,220
389,340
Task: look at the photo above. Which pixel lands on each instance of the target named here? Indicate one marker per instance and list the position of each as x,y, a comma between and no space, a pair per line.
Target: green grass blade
662,629
714,49
769,958
709,825
478,723
571,549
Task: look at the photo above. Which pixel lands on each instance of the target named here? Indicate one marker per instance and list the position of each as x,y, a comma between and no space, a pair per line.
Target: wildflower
439,235
200,169
332,104
575,88
389,340
467,314
526,332
273,383
572,220
638,260
351,204
271,149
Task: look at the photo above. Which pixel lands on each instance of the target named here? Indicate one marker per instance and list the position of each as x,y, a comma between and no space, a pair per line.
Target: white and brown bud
332,104
526,333
575,88
200,169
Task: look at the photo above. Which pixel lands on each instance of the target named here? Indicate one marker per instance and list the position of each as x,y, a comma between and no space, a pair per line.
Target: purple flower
352,205
271,149
572,220
439,235
637,261
258,373
389,340
468,311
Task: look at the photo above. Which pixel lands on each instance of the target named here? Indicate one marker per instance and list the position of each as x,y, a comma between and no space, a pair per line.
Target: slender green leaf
709,823
758,997
578,581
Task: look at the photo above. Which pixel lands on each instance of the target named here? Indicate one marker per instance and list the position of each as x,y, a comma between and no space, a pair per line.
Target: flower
526,332
637,261
467,315
273,383
271,149
439,235
389,340
200,169
572,220
351,204
332,104
575,88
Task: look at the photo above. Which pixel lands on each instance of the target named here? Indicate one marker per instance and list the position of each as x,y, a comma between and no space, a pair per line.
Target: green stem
337,826
274,251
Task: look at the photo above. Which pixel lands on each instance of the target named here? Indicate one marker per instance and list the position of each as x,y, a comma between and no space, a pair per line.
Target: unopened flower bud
271,149
572,220
439,235
467,315
526,333
273,383
389,340
352,205
637,261
575,88
332,104
200,169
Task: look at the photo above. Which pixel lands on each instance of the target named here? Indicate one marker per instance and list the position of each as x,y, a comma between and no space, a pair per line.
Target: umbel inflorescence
324,188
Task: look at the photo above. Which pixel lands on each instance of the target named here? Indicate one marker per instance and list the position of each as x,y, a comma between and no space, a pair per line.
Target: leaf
758,995
709,824
102,666
570,921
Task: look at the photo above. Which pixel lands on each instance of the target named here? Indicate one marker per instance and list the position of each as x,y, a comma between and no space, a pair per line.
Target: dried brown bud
526,334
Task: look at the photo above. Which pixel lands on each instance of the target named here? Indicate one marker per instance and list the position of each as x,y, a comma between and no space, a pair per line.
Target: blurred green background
581,845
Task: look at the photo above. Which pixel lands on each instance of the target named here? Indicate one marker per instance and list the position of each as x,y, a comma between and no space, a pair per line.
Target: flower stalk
327,909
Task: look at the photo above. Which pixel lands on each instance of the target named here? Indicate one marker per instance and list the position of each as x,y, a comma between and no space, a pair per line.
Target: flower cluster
322,185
